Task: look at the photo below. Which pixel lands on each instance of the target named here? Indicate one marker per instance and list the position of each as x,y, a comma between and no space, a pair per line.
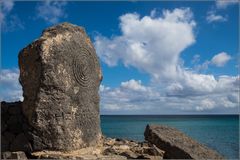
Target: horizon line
206,114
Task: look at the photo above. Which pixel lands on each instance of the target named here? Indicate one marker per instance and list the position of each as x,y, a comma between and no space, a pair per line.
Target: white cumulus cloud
220,59
145,42
133,85
126,99
206,104
10,89
222,4
213,17
153,44
51,11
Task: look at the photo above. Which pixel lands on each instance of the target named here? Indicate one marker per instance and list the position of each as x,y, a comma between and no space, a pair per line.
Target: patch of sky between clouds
223,4
218,60
51,11
8,21
213,17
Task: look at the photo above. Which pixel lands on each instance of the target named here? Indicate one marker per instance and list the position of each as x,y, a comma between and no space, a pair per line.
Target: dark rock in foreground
16,141
14,128
60,75
177,145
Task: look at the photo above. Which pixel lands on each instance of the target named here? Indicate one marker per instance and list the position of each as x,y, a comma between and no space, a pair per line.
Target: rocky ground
161,142
111,149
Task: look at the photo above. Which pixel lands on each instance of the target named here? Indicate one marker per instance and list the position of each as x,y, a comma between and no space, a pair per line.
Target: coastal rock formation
177,145
16,141
112,149
60,75
59,117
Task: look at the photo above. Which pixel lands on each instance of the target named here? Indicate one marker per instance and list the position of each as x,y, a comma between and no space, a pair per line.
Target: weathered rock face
177,145
14,128
14,155
60,75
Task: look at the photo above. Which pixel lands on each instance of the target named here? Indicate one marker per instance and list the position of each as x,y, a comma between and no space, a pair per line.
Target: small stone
14,155
143,156
120,148
109,141
153,151
129,154
144,144
111,157
109,151
124,147
119,139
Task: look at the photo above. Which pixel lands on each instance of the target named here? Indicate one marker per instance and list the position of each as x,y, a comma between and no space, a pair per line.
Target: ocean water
219,132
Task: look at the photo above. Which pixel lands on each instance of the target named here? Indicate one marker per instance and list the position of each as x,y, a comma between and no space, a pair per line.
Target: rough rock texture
60,75
14,155
131,149
17,139
177,145
112,149
14,128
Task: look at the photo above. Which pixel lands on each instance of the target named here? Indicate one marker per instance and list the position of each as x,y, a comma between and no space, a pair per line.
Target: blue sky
157,57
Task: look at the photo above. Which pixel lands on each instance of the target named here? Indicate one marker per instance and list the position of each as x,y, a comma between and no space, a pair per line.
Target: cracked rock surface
177,145
60,75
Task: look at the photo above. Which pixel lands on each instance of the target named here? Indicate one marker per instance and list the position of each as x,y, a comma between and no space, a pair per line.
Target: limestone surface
177,145
14,155
60,75
112,149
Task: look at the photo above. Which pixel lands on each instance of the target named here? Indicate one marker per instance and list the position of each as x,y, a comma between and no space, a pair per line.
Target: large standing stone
177,145
60,75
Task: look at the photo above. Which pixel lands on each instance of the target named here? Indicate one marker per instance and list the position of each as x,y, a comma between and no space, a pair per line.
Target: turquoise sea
219,132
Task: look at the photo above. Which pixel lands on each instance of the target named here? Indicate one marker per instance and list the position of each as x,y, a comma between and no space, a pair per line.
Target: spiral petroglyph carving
84,67
60,74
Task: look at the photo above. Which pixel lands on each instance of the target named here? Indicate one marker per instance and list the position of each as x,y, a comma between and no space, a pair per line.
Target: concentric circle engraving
84,68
